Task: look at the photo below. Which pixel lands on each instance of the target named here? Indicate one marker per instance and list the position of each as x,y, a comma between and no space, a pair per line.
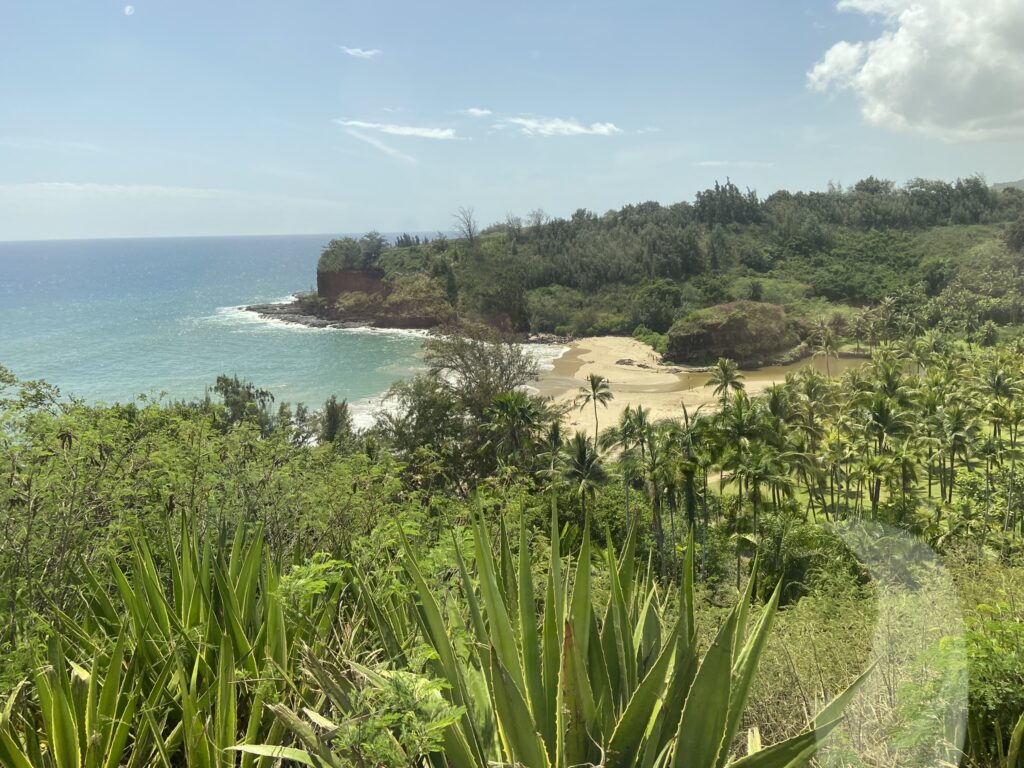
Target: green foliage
349,253
559,688
742,330
657,341
607,274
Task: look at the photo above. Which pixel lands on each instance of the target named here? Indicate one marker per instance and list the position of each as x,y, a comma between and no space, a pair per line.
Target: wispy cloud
558,126
734,164
380,146
401,130
362,53
477,112
50,145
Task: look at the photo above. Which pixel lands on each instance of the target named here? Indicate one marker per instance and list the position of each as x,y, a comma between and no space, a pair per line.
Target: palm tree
514,419
633,431
595,391
726,379
860,327
632,434
582,469
959,431
827,345
552,443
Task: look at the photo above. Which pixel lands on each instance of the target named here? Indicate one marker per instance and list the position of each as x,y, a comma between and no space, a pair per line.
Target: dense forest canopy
649,265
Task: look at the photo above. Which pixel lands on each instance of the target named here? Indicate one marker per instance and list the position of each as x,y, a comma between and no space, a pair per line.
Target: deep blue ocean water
109,319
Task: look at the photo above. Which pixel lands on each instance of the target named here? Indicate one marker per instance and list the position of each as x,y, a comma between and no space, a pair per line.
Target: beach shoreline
638,377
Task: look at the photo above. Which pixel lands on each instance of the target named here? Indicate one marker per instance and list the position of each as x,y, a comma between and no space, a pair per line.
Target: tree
826,345
335,422
477,365
244,401
513,422
513,227
725,378
465,224
595,391
582,469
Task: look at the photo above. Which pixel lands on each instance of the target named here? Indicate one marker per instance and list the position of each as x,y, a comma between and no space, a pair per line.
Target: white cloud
477,112
129,10
558,126
746,164
839,67
401,130
380,146
362,53
953,69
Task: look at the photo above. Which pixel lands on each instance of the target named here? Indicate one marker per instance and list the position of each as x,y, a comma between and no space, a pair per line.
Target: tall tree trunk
952,474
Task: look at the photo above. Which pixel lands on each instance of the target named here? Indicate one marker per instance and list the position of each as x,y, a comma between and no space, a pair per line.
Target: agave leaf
582,595
631,729
744,606
11,753
745,667
754,740
225,710
433,626
515,723
530,638
627,564
687,603
789,753
702,727
119,738
233,618
509,583
617,639
470,591
835,708
577,699
502,636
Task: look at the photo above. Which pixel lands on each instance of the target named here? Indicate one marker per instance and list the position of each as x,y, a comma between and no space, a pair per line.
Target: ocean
108,320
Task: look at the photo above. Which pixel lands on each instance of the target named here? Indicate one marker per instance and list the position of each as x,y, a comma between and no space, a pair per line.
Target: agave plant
184,659
564,688
84,720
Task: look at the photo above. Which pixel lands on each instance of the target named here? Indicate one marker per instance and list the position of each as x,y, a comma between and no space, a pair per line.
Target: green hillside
932,244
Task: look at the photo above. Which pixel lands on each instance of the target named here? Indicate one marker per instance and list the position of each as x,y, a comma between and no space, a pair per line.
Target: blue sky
187,118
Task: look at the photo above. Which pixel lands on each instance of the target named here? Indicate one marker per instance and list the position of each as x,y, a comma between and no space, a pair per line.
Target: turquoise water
107,320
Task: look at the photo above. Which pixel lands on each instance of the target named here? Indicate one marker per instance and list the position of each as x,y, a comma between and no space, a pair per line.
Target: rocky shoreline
301,312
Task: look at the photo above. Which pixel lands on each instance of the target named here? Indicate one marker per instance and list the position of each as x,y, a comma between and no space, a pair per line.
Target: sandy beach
637,377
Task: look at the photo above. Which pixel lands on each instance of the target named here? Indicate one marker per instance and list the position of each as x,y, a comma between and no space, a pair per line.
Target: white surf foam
545,354
247,320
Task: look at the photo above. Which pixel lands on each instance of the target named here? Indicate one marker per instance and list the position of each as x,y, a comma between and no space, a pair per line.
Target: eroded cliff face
353,296
330,285
750,333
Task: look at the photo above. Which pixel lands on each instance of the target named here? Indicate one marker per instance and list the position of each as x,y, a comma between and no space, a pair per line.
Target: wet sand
637,377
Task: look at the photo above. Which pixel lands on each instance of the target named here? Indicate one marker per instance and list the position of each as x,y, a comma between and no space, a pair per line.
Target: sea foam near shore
249,320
